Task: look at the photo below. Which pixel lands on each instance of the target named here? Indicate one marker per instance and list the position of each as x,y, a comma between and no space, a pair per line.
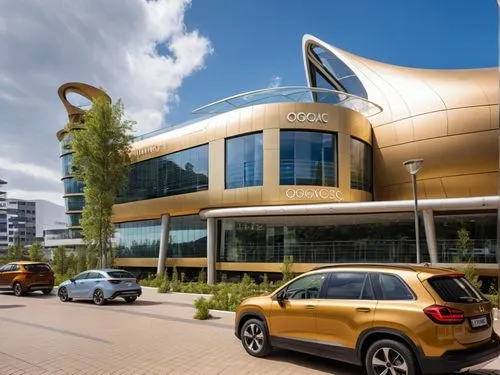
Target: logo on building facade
307,117
145,150
314,193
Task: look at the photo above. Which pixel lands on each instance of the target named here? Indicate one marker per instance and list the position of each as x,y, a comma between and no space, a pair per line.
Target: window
72,186
75,203
95,275
178,173
349,285
121,275
455,289
308,158
307,287
81,276
138,239
244,161
67,165
187,237
37,267
393,289
361,166
73,220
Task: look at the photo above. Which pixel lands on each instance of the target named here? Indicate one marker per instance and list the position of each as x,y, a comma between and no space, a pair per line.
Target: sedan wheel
99,297
63,294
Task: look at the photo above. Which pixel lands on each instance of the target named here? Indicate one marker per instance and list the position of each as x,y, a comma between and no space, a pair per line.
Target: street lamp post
413,166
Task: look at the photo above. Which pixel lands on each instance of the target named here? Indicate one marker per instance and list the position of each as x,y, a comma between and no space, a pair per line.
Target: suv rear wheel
390,357
255,339
18,289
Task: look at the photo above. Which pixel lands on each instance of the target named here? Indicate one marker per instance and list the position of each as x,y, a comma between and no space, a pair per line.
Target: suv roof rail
384,265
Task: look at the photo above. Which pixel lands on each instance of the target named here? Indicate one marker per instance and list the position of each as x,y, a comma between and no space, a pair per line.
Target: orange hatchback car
24,277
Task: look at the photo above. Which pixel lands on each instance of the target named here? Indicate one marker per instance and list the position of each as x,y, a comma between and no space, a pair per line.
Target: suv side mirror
281,296
72,280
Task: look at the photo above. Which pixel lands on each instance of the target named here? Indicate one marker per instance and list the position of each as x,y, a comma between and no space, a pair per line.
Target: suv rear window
37,267
121,275
456,289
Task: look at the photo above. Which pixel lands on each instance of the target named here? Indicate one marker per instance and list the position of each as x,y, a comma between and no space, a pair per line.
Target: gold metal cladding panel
269,119
467,120
494,109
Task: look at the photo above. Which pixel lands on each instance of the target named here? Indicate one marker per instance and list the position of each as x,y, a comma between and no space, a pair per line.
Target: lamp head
413,165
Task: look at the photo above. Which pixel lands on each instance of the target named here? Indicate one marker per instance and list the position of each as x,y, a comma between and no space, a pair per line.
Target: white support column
430,234
211,250
162,257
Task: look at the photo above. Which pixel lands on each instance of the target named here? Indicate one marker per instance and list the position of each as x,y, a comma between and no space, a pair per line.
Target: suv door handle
310,307
363,309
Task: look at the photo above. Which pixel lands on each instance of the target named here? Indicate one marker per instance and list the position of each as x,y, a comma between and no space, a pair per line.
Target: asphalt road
156,335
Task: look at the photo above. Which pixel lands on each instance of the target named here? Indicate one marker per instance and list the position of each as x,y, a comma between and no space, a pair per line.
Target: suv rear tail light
444,315
114,281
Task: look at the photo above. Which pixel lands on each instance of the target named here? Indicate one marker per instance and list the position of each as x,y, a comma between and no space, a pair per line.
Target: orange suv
390,319
23,277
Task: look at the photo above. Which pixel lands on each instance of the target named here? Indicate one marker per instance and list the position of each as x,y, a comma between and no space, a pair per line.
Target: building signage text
314,193
307,117
145,150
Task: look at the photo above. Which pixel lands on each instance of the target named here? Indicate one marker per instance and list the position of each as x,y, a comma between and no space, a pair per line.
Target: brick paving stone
156,335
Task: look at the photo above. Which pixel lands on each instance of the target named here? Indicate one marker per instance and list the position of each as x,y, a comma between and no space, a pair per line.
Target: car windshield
40,267
120,275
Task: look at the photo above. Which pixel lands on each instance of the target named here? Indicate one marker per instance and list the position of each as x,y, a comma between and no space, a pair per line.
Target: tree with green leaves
101,161
59,260
15,251
36,253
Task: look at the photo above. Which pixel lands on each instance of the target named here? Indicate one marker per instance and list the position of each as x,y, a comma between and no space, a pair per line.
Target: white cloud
275,82
111,44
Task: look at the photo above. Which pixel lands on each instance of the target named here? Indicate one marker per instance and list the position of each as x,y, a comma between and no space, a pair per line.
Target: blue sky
258,39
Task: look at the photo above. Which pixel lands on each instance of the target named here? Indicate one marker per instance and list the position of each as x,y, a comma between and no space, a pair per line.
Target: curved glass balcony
292,94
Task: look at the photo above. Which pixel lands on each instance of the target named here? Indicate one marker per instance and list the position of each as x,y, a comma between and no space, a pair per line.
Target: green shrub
58,279
202,311
202,276
154,281
493,298
164,286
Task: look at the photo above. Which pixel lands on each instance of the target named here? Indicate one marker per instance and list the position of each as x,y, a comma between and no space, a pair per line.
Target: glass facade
308,158
178,173
73,220
340,71
466,237
321,82
72,186
67,164
66,144
388,238
187,237
141,239
75,203
138,239
361,166
244,161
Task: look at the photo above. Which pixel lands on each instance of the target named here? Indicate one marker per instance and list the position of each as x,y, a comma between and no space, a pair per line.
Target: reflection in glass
361,166
308,158
67,164
72,186
138,239
244,161
339,71
75,203
478,231
66,144
187,237
73,220
178,173
387,238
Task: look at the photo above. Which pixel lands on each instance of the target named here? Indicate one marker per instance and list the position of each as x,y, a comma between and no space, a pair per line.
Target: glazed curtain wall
75,203
141,239
244,159
334,239
72,186
178,173
361,166
308,158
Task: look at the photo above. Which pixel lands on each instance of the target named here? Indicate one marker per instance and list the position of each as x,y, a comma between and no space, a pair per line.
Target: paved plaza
156,335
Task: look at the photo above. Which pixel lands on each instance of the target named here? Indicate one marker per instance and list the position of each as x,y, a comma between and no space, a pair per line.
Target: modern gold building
315,173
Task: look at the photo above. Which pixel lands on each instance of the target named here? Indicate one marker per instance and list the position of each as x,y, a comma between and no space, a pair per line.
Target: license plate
129,284
479,322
